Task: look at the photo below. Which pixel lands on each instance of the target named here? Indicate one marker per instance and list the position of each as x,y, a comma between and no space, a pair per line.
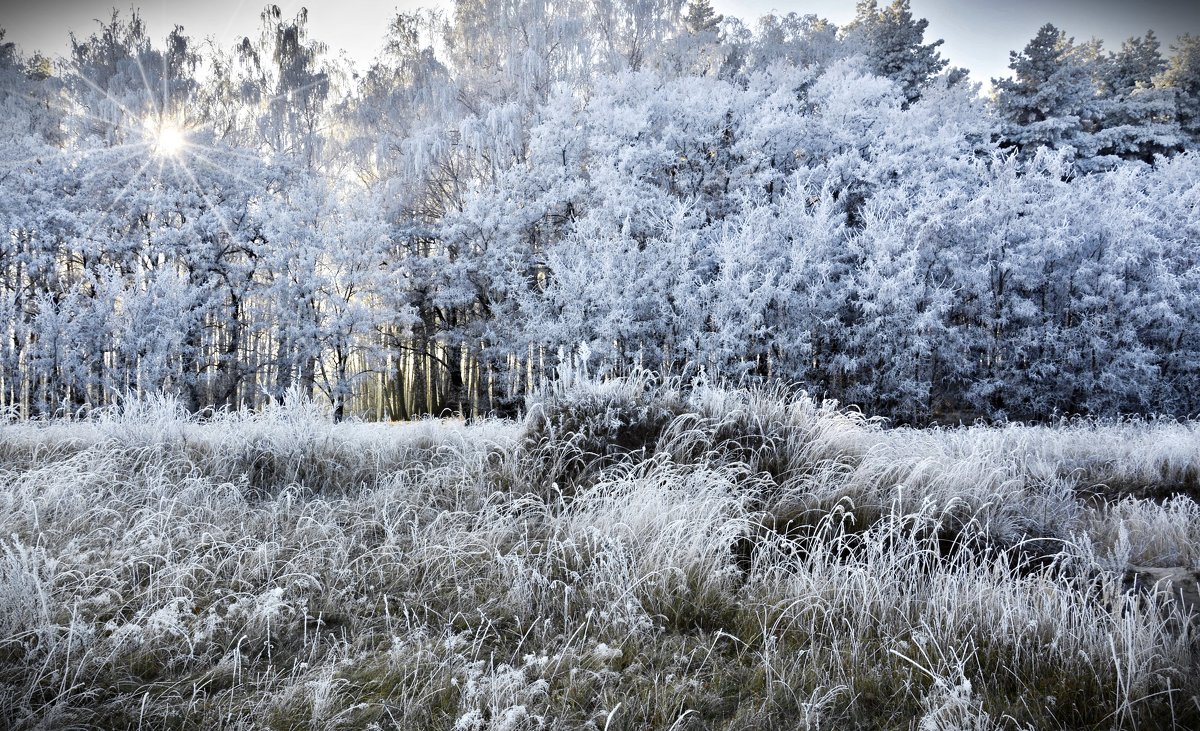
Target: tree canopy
646,180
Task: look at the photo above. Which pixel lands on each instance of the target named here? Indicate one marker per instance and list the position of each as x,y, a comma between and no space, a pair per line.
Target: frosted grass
630,556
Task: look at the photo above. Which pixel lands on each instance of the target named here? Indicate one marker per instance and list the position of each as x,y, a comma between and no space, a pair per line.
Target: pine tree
701,18
1137,118
1051,101
1183,75
893,42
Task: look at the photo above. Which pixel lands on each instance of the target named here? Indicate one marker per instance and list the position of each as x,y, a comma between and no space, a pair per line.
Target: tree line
644,182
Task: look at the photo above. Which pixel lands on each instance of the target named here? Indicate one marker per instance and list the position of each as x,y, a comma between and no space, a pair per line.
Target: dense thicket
642,180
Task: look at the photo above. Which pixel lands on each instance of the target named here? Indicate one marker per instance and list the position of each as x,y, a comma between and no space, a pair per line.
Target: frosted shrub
26,581
1149,533
598,423
954,707
499,699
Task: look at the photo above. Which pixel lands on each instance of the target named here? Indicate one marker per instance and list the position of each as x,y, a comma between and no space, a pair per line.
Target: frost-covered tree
774,202
1137,119
699,47
894,44
800,40
513,52
1183,76
701,18
283,78
31,217
631,32
1051,99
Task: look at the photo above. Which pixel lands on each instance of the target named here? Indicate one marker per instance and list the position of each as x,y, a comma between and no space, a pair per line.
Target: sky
978,34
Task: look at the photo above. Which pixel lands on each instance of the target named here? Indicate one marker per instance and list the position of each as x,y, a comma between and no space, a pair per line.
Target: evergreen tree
1051,101
1183,75
893,42
1137,119
701,18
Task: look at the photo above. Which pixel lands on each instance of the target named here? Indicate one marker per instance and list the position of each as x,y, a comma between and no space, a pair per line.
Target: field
627,556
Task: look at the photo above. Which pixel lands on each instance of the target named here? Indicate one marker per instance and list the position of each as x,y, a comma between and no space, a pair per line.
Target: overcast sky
978,34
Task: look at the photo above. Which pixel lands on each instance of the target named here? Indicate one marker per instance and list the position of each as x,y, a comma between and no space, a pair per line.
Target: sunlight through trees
777,201
167,139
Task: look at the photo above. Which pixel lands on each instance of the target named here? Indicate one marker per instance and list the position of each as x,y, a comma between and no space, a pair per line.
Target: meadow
627,555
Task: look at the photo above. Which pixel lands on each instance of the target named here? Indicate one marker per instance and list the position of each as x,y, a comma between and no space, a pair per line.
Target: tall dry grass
631,555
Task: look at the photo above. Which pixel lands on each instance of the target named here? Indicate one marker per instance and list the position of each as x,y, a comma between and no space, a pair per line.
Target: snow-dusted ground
627,557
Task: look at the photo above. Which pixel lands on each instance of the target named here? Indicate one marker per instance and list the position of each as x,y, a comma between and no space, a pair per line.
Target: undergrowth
632,555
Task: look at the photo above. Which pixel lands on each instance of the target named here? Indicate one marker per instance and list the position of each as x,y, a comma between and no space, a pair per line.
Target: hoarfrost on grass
746,557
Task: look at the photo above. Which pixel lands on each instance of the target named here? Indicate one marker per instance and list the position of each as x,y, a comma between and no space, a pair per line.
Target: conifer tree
1183,75
1137,118
894,44
701,18
1051,101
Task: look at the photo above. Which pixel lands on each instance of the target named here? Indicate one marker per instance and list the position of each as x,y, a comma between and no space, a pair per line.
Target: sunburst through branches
166,138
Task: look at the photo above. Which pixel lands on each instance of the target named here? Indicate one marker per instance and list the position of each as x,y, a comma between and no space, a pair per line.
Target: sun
166,139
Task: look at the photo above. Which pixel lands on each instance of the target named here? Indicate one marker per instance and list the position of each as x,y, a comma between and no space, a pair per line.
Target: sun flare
167,139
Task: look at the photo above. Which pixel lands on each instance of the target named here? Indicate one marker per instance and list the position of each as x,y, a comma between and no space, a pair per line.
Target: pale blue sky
978,34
